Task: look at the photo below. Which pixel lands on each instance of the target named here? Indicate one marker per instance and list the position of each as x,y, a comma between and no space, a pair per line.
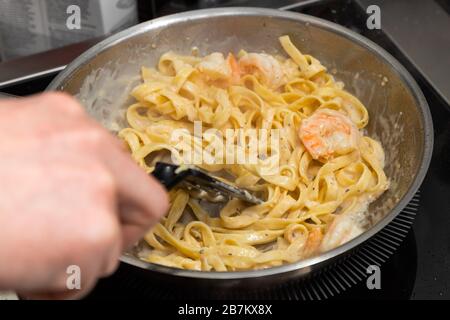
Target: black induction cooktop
419,267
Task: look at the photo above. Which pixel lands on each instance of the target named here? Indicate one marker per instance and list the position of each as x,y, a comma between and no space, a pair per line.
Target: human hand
70,194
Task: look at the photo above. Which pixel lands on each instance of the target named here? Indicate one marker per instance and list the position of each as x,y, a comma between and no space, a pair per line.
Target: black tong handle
168,176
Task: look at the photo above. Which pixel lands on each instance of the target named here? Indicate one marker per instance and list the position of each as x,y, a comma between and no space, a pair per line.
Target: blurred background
32,26
35,39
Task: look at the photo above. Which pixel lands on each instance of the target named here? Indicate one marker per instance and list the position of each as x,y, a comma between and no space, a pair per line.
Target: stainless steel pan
102,77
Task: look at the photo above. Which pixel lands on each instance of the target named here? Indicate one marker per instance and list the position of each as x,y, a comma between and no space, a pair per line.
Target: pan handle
4,95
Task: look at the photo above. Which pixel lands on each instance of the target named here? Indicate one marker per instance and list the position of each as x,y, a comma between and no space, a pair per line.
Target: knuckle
87,137
62,101
95,136
103,179
101,234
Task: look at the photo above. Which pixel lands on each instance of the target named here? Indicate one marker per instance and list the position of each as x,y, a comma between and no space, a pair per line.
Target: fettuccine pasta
327,173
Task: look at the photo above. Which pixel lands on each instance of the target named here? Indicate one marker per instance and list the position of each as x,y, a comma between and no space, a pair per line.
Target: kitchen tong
200,183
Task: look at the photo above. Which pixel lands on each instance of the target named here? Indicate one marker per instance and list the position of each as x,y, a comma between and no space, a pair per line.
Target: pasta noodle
327,170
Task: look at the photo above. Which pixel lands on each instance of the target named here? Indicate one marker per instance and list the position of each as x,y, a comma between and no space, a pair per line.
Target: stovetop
420,266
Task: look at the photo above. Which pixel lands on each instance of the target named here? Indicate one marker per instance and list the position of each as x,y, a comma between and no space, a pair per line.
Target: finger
66,295
87,284
59,101
142,199
131,232
56,295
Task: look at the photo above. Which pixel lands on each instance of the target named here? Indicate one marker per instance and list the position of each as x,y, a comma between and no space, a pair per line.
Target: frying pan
102,78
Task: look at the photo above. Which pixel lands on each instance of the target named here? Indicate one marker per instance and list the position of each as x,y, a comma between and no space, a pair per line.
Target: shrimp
328,133
235,69
264,67
344,228
313,242
216,67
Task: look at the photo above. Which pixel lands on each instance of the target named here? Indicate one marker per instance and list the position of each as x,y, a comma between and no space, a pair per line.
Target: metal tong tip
171,175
